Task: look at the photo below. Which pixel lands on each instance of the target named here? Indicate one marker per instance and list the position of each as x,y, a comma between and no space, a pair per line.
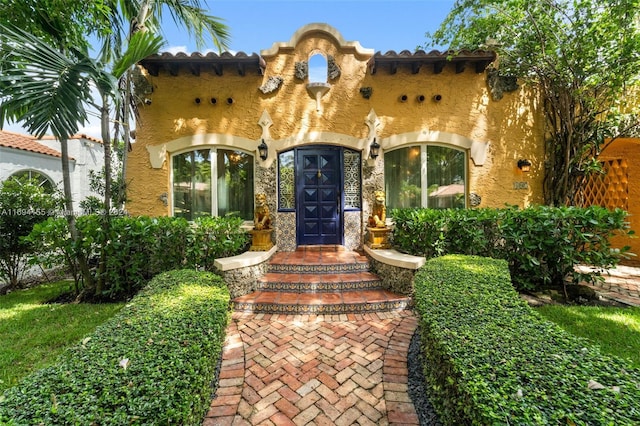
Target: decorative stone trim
396,269
395,258
241,272
272,84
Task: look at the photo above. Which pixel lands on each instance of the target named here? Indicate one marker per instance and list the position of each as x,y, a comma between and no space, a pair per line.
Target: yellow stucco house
318,124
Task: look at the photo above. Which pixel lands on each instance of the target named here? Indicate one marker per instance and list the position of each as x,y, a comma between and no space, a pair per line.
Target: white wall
87,155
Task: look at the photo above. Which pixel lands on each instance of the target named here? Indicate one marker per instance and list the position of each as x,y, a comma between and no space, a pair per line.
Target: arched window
318,71
212,182
425,176
40,178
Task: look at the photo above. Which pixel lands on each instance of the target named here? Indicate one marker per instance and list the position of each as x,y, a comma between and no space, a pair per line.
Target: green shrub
153,363
23,203
489,359
214,238
541,244
134,249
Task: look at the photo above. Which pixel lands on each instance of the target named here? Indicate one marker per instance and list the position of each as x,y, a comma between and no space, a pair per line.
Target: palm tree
48,91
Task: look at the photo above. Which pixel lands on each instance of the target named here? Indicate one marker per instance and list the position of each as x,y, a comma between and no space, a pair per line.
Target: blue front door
319,206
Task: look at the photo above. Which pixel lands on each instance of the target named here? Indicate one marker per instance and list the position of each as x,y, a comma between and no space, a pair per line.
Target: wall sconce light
524,165
263,149
374,149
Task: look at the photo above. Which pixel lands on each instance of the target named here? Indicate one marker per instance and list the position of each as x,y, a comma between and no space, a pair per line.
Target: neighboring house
41,159
429,130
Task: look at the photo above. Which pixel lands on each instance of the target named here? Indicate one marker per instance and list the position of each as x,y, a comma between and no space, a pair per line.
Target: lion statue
379,214
261,217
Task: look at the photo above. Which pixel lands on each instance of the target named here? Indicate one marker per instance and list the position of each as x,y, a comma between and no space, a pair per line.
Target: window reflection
441,186
194,195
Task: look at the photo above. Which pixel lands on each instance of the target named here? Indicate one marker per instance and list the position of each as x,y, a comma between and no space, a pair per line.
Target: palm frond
141,45
41,87
196,20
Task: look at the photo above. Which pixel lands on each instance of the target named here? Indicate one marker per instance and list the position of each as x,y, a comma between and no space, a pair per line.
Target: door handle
338,201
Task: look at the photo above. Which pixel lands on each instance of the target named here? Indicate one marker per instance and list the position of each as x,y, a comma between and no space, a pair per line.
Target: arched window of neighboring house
318,69
425,176
212,182
39,178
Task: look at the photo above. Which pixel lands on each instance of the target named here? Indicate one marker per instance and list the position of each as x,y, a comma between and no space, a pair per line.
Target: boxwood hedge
153,363
490,359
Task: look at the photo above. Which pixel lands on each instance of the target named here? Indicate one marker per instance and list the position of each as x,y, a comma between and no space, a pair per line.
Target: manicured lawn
34,334
615,330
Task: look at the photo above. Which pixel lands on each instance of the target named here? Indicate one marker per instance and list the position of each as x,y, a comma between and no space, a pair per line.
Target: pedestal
261,239
378,238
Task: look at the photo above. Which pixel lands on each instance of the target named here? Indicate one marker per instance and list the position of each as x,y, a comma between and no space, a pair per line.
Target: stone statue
379,212
261,217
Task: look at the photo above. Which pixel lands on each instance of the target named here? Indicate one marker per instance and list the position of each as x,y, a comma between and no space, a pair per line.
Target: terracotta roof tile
25,143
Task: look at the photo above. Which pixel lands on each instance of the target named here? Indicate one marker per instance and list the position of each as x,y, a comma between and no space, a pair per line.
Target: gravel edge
417,386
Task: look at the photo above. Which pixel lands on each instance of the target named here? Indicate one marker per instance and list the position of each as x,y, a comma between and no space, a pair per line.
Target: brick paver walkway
315,370
621,284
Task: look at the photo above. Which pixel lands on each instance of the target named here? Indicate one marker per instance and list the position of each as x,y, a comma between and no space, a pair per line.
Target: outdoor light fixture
524,165
263,149
374,149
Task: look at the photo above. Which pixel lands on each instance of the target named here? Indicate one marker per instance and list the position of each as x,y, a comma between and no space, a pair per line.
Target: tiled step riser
319,287
343,268
324,309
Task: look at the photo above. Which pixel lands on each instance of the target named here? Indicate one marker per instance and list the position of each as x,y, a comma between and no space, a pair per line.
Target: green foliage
23,203
490,359
541,244
216,237
151,364
582,58
134,249
35,333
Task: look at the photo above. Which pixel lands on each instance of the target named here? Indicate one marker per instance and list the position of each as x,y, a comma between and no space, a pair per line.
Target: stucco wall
512,127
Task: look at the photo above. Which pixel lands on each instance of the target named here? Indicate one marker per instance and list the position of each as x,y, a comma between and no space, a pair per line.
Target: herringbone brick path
315,370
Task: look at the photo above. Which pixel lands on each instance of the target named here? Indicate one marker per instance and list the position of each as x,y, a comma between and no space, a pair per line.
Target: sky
255,25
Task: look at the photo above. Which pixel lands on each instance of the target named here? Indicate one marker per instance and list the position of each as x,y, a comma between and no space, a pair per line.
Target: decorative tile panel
286,231
352,180
353,230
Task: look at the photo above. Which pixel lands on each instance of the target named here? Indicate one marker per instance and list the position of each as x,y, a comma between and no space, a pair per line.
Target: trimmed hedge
490,359
153,363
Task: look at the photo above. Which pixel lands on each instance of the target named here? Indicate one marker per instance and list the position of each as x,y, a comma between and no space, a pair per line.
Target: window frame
424,184
213,160
45,178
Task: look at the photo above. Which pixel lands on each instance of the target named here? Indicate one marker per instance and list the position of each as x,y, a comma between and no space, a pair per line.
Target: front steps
320,280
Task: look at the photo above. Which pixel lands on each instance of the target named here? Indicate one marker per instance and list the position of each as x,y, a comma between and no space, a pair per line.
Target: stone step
316,283
321,303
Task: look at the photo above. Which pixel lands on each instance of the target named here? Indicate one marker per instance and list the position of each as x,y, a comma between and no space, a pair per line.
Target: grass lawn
34,334
615,330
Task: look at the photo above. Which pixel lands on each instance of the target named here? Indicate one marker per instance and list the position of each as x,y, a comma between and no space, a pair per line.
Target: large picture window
195,193
425,176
